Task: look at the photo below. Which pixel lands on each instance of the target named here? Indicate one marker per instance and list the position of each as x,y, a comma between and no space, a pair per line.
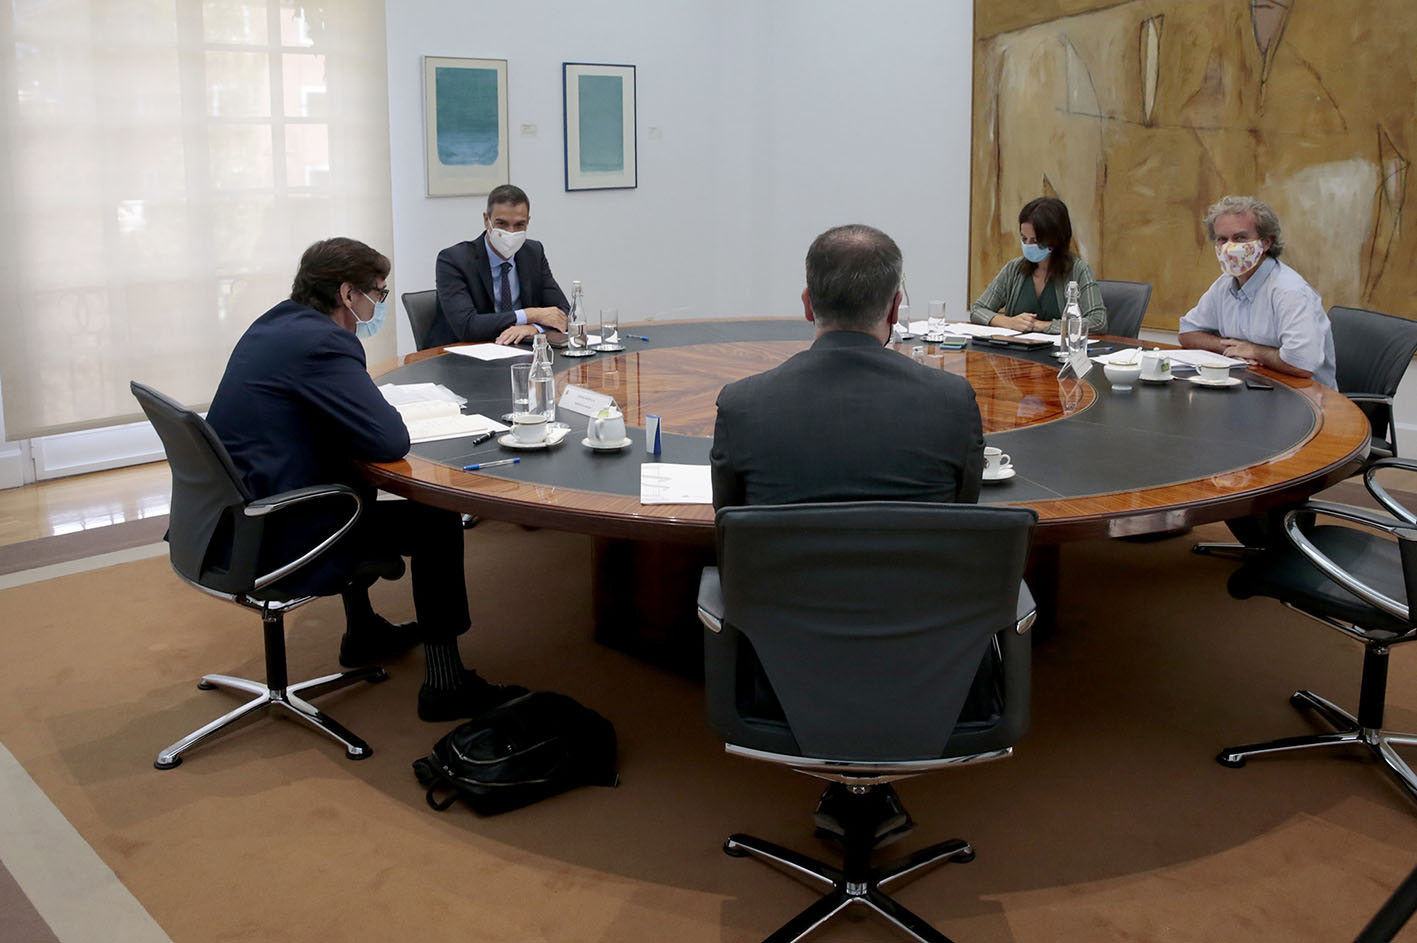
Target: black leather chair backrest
870,618
1126,305
1373,350
207,491
422,308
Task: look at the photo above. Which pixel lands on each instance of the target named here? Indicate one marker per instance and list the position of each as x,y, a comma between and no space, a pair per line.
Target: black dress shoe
472,698
373,643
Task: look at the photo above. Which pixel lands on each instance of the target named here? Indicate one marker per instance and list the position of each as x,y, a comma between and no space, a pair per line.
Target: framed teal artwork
599,106
465,125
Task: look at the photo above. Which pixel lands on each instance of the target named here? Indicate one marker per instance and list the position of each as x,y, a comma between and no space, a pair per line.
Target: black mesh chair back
870,618
216,530
1373,351
1126,305
206,489
422,308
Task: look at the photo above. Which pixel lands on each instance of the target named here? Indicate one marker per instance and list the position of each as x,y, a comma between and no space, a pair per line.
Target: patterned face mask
1237,258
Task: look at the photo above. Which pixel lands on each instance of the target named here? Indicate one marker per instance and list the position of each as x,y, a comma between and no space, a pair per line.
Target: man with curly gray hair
1259,309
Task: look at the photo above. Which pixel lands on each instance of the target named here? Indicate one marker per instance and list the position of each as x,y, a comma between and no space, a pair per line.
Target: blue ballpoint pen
638,337
475,466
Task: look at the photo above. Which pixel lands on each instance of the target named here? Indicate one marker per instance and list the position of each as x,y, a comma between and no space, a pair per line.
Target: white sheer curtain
165,163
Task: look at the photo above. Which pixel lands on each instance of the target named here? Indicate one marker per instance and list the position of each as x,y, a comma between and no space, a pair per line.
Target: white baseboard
12,467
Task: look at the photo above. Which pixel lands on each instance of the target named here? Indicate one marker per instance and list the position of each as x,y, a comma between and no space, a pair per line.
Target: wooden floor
83,502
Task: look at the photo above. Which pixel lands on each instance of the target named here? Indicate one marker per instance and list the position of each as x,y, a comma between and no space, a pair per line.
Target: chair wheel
733,851
361,755
176,762
964,857
205,686
380,675
1297,699
1224,759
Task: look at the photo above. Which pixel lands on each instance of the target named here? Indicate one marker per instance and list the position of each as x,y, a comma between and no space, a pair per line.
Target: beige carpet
1112,821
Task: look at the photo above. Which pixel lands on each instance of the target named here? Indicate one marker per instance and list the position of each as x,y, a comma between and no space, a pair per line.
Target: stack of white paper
665,483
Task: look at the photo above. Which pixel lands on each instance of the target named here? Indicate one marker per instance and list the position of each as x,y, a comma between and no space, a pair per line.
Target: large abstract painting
1141,113
465,118
599,108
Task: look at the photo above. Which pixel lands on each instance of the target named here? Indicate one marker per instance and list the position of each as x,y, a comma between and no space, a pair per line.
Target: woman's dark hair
1051,228
330,263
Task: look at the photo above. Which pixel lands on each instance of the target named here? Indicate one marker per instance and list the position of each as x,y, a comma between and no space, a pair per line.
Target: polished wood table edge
1334,450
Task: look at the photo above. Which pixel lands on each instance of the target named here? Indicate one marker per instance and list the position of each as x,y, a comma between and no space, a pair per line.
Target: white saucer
1216,384
1157,380
553,437
1004,474
606,448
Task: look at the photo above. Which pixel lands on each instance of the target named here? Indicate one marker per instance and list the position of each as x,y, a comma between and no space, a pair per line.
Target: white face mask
505,243
1237,258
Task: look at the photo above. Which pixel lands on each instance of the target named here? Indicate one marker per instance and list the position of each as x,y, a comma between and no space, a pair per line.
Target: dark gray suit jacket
847,420
467,306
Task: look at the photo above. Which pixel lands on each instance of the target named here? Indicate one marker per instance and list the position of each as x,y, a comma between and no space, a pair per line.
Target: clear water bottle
542,393
1074,327
577,342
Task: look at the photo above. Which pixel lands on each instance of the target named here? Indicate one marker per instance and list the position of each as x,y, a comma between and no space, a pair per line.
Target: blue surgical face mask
367,329
1035,253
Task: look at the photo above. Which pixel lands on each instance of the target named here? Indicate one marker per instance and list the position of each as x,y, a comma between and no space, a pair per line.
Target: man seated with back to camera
850,420
296,407
499,286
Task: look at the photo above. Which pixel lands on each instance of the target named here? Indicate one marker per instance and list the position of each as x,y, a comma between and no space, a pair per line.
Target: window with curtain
165,165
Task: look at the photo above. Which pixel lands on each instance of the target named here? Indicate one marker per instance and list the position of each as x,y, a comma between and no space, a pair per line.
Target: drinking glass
521,389
936,319
609,330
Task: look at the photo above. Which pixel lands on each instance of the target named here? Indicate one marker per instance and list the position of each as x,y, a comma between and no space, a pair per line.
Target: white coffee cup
1155,366
1213,372
606,427
1122,375
529,428
996,460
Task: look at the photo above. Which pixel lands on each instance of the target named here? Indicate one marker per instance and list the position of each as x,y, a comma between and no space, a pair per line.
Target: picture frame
598,104
465,125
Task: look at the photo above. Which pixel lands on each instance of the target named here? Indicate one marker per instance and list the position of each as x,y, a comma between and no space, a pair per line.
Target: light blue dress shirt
1275,308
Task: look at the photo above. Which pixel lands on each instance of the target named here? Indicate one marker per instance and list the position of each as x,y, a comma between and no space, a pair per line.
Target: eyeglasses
378,294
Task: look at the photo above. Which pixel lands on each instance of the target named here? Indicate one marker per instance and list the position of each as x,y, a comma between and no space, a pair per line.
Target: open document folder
431,411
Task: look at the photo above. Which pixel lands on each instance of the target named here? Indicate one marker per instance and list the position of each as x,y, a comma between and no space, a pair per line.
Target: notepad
430,421
667,483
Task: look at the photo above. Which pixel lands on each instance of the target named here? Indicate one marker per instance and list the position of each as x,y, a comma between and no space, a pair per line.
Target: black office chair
422,308
1372,351
1126,305
215,536
843,640
1359,583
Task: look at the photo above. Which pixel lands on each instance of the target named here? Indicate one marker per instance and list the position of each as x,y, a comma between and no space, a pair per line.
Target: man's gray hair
1266,222
853,273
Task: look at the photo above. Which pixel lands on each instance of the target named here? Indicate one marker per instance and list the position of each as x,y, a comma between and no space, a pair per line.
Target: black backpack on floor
520,752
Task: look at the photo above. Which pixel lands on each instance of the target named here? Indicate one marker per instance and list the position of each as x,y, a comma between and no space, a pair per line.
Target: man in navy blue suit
296,407
499,286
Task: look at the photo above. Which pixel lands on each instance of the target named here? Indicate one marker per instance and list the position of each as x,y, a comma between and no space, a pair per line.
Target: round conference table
1093,462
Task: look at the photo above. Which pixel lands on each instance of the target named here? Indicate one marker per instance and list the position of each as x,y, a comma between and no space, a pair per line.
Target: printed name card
578,399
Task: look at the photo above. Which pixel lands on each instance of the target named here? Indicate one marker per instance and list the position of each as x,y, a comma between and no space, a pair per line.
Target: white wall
776,120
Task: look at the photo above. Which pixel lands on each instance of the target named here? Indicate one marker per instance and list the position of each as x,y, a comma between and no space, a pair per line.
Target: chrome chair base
854,884
1346,730
287,698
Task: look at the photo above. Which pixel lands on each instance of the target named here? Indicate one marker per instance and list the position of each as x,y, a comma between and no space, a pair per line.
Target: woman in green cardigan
1028,294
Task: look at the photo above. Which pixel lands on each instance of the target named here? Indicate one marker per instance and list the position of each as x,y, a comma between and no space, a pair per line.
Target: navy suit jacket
467,307
847,420
295,408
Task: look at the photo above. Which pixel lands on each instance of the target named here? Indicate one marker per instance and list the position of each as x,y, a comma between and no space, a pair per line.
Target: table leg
645,596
